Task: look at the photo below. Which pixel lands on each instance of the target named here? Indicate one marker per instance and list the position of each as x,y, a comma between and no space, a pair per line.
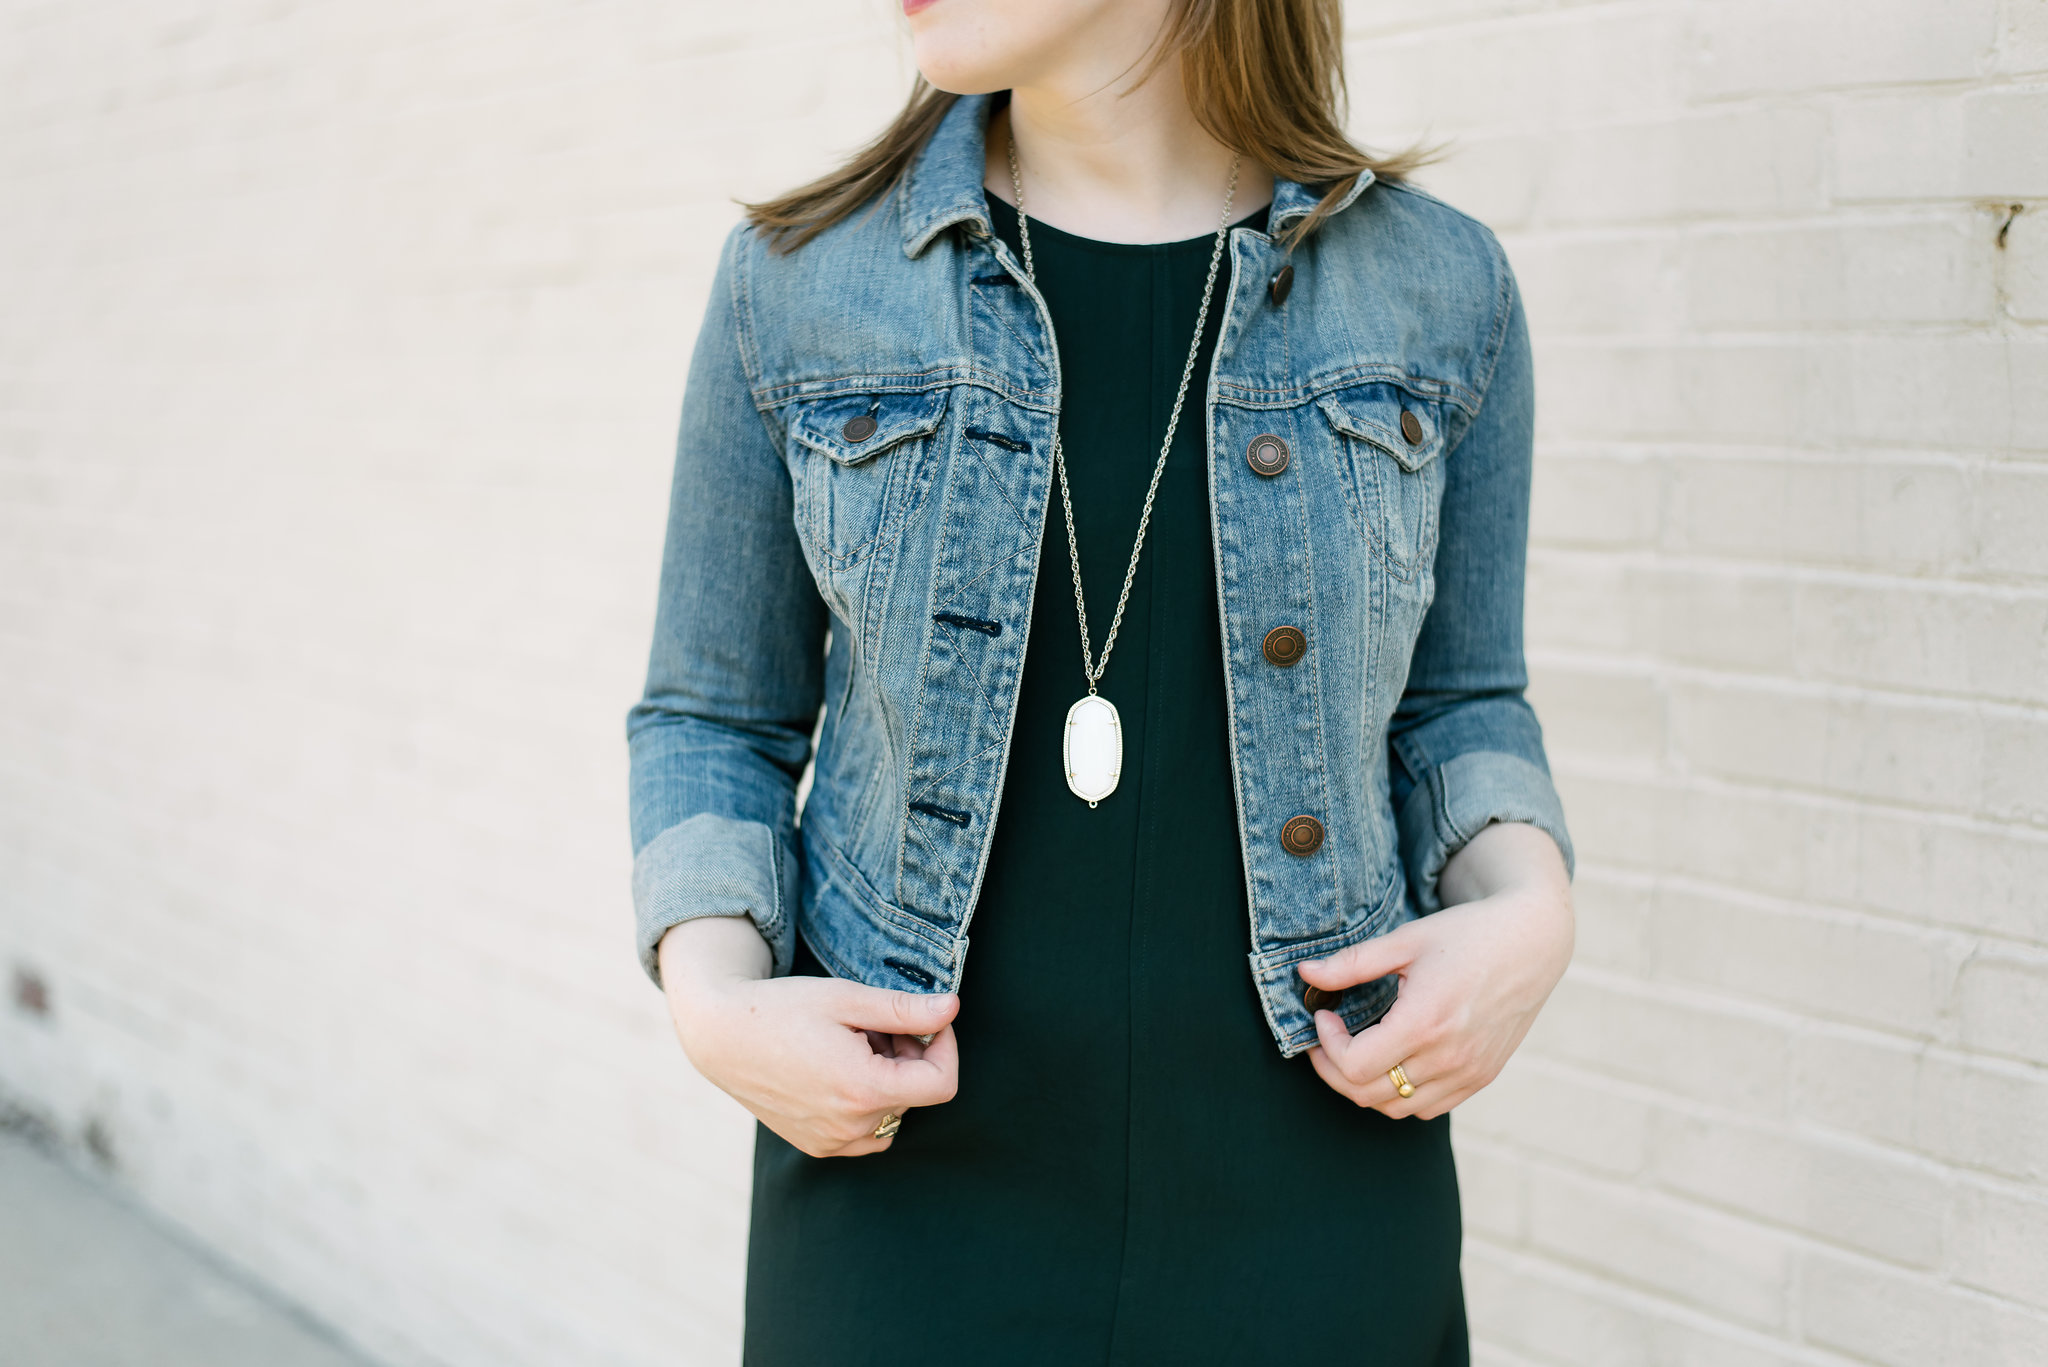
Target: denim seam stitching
995,477
1030,351
1315,679
1496,341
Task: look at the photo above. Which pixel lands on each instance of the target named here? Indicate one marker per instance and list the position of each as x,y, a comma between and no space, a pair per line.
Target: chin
972,47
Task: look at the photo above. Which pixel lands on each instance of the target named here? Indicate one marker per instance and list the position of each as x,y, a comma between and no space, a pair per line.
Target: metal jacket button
1285,646
858,429
1281,284
1411,428
1302,835
1267,455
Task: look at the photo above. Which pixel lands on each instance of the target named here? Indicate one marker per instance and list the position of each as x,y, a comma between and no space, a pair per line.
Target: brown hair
1265,78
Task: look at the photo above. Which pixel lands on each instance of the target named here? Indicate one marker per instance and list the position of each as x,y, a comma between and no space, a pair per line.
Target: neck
1117,162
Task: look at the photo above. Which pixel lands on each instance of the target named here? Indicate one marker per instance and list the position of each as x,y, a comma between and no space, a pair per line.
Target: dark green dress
1131,1173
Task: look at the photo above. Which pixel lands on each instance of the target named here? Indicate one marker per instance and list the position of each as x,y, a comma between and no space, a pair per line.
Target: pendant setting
1093,749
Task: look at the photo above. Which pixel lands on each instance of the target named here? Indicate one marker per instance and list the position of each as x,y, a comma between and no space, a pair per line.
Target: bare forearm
1508,855
701,955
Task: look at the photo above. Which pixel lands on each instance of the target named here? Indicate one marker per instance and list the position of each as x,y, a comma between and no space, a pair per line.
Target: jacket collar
943,186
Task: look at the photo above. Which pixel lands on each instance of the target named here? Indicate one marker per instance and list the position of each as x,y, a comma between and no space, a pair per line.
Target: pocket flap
851,428
1405,427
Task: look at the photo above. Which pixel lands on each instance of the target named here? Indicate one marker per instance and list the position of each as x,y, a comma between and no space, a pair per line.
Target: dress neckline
1004,219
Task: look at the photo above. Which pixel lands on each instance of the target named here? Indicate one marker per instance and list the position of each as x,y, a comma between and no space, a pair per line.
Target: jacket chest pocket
859,466
1393,478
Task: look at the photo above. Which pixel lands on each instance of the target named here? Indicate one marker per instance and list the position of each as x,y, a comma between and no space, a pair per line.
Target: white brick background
340,346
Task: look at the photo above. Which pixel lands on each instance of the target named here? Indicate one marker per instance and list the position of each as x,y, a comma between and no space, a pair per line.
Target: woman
1141,362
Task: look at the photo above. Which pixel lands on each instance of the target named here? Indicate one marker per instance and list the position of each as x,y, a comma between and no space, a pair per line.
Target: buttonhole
1008,443
912,972
946,814
980,624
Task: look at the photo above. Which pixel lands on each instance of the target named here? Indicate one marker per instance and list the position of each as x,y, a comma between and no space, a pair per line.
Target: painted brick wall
338,365
1787,266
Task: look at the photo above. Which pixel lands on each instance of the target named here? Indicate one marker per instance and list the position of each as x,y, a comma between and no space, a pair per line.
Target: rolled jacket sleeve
1466,750
721,734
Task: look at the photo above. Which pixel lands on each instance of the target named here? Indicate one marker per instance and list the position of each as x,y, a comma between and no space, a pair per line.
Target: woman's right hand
820,1061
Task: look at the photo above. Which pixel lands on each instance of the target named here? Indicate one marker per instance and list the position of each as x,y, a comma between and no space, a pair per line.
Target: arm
1482,830
735,678
1465,749
716,745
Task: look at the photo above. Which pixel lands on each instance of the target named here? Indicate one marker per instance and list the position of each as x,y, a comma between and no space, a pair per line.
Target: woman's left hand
1473,977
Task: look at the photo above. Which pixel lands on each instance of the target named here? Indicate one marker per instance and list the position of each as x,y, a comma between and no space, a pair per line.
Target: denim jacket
859,500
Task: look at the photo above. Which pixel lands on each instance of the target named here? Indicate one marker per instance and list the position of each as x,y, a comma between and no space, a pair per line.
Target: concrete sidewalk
88,1281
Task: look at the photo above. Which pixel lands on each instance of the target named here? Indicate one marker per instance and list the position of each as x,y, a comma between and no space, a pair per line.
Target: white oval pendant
1094,748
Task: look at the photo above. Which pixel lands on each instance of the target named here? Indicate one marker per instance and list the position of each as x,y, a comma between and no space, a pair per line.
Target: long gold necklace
1092,745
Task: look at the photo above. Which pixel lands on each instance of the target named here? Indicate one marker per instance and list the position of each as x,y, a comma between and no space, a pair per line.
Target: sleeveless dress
1131,1173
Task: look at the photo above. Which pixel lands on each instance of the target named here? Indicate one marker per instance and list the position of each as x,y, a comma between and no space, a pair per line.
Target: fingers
930,1080
1365,961
901,1085
1431,1098
1365,1057
855,1138
894,1013
1360,1066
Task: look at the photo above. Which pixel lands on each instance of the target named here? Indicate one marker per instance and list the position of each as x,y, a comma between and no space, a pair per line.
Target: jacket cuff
711,865
1459,798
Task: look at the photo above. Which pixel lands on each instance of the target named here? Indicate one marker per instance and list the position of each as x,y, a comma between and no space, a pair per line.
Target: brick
1590,282
1827,965
1910,391
1613,918
1684,390
1491,75
1753,47
1975,394
1610,821
1721,620
1492,1190
1747,840
2022,37
1858,1085
2008,505
1885,1206
1613,715
2001,1244
2003,152
1892,751
1977,1114
1971,877
1559,1316
1561,1113
1576,602
1697,1051
1898,1320
1371,17
1725,1266
1982,145
2003,998
1989,1116
2026,266
1963,640
1960,641
1594,500
1847,272
1749,163
1494,177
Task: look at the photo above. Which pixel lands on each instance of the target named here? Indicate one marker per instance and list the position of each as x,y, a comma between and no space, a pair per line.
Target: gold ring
1401,1082
891,1123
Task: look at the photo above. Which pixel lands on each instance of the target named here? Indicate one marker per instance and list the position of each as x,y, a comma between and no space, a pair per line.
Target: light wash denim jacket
885,570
